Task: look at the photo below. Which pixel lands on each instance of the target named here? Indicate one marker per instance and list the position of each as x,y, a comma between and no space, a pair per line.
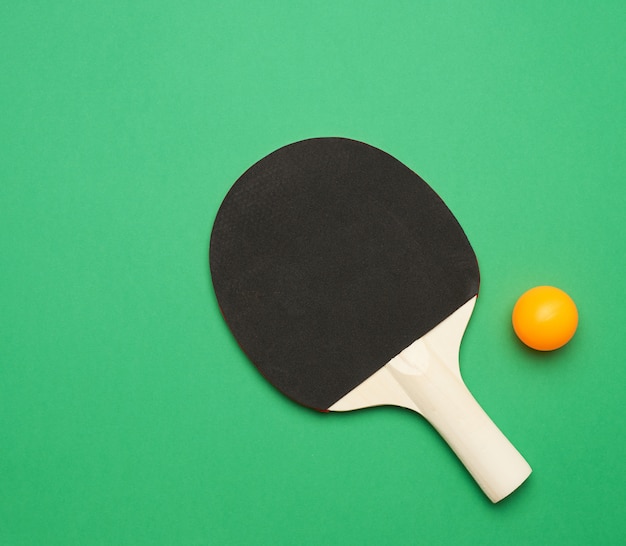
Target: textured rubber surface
329,257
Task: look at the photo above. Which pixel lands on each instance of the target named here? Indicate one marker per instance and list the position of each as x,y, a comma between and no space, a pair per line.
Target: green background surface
129,416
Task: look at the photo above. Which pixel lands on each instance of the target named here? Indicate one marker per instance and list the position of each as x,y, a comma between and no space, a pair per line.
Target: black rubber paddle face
328,258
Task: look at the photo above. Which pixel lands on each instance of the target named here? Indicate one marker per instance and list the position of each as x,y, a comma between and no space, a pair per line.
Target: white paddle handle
444,400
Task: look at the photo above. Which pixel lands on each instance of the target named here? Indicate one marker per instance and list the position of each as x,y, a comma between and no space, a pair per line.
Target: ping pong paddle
349,284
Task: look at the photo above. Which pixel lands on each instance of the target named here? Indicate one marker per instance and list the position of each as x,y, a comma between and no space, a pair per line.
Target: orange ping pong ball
545,318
